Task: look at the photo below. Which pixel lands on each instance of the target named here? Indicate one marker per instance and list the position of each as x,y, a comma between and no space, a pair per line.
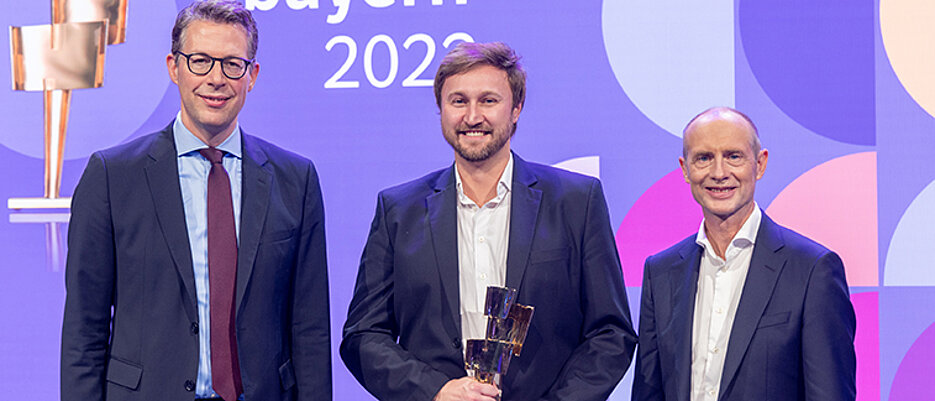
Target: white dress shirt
720,283
483,241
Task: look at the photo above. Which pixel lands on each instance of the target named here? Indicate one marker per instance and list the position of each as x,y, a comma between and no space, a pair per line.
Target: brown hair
217,11
466,56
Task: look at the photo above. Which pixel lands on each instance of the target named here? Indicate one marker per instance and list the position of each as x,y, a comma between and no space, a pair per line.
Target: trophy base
38,203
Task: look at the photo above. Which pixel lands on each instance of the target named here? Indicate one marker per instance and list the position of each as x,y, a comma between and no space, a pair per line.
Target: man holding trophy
540,236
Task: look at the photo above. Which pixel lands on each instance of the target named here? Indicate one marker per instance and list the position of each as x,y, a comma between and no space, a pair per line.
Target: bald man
745,309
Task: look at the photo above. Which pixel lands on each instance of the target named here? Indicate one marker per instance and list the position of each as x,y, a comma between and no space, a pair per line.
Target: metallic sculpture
55,59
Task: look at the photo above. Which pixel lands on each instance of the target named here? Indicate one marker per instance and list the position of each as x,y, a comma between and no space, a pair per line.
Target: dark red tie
222,276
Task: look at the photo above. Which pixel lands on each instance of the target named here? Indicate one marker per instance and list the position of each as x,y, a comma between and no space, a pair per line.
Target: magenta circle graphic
664,215
914,378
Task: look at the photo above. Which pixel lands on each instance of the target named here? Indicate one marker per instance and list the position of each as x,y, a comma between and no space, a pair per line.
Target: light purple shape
673,58
908,260
815,61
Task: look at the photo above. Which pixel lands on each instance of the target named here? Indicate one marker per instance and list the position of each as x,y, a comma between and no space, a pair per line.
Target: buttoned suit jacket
130,329
793,333
402,339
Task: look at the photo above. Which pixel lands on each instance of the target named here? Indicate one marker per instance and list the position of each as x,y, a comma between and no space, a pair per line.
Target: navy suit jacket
402,339
793,334
131,323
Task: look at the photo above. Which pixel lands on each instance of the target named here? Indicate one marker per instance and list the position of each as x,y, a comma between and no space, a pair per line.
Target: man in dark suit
745,309
492,218
196,262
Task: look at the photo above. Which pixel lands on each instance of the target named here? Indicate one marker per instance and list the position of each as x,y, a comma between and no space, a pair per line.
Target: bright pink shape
867,344
664,215
914,378
835,204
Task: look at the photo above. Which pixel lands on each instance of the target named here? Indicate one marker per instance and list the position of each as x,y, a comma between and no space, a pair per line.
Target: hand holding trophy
487,359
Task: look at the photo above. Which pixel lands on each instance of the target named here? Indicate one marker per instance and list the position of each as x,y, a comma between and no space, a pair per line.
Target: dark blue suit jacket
402,339
131,323
793,334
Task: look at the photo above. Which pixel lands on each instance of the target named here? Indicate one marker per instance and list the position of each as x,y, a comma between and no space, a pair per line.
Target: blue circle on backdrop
135,80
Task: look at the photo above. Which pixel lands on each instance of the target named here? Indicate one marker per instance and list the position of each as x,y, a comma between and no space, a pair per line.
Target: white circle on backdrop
907,261
907,34
135,80
673,58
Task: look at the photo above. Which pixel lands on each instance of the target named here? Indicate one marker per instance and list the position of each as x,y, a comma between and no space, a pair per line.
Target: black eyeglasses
232,67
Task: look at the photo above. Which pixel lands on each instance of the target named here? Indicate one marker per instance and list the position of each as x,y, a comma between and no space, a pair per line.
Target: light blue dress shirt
193,180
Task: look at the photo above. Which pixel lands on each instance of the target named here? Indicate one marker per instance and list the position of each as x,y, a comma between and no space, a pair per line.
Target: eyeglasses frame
188,60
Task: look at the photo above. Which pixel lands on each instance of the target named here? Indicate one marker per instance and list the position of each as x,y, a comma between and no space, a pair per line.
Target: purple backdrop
347,83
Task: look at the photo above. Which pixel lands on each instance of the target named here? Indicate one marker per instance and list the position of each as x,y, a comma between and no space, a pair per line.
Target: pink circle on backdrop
835,204
867,345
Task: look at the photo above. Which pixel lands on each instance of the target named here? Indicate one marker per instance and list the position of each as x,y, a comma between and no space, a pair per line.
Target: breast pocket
549,274
559,255
773,319
277,235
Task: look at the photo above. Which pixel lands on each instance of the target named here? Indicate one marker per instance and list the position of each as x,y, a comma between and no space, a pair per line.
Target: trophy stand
54,59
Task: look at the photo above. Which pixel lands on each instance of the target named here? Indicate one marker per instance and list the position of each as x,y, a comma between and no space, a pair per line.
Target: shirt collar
745,237
504,185
186,142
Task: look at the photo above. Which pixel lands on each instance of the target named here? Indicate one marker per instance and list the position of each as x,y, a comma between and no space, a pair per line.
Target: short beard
484,153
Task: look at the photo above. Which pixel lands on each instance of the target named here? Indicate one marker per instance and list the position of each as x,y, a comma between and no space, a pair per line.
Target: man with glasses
196,255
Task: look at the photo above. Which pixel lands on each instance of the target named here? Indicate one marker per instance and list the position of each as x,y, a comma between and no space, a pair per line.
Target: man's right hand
467,389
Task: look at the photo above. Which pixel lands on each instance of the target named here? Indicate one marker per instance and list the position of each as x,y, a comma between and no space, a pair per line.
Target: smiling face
210,103
721,166
477,113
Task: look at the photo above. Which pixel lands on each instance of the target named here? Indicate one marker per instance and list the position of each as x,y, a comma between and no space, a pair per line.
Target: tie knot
214,155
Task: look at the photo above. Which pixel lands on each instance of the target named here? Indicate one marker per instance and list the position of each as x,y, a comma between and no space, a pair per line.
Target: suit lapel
162,178
765,266
255,193
524,211
443,224
683,282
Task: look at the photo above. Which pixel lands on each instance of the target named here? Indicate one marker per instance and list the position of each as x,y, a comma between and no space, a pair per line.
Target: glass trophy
487,359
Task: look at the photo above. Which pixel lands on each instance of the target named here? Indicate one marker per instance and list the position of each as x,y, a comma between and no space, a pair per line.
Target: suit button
456,342
195,328
189,385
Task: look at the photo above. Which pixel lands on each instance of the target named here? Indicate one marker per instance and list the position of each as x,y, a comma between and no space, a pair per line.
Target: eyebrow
482,94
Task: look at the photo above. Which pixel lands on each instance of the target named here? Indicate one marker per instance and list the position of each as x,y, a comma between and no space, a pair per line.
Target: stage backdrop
843,94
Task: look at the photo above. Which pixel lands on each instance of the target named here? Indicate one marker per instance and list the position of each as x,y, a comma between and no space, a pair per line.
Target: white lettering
300,4
368,61
380,3
341,6
413,79
262,5
339,15
462,36
335,80
410,3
